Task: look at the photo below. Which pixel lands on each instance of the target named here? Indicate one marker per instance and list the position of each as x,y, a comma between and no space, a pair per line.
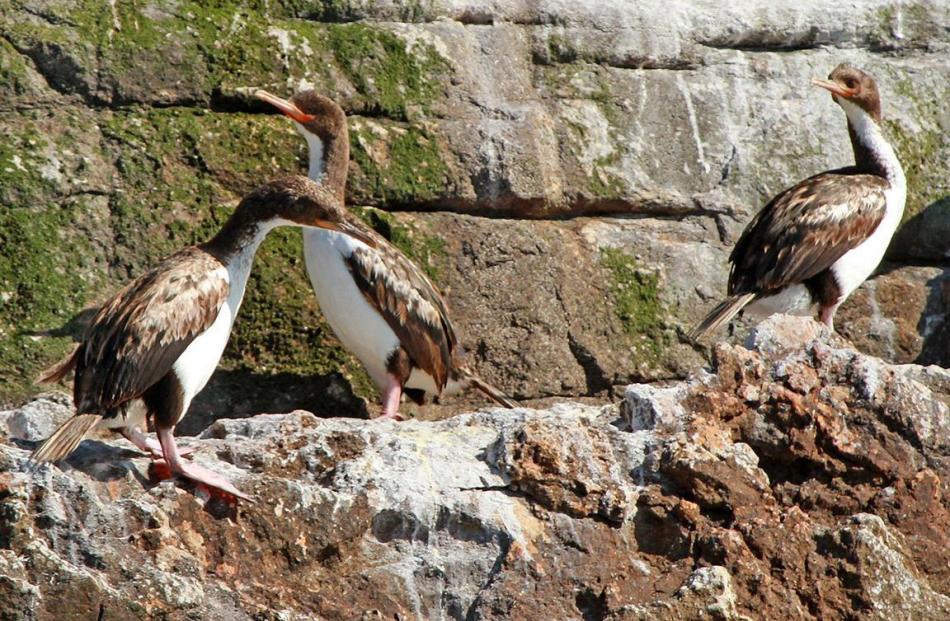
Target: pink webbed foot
193,472
392,393
203,477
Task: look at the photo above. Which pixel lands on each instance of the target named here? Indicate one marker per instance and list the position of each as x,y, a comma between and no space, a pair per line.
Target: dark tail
61,369
493,393
721,315
65,439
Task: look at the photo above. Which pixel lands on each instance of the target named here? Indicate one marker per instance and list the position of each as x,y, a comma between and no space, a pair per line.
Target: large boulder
797,479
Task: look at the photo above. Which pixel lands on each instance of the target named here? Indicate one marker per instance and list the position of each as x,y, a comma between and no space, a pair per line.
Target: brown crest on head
324,118
852,84
327,119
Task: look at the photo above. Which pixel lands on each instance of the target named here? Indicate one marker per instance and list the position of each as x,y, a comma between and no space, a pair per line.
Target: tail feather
490,391
721,315
60,370
65,439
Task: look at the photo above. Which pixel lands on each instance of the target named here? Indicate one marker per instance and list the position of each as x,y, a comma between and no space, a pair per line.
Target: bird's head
293,199
853,90
322,122
311,112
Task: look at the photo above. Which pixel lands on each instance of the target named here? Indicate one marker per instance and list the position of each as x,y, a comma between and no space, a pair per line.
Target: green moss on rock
175,52
190,51
40,290
22,157
393,78
637,304
177,164
919,150
602,183
400,165
14,71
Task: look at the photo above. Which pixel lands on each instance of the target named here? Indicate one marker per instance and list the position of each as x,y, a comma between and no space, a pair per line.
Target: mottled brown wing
805,230
406,298
138,334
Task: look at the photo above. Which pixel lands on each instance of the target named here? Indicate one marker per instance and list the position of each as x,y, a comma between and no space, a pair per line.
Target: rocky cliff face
798,479
572,175
130,132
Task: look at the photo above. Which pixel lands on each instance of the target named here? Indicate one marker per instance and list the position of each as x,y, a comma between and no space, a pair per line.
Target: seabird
379,304
153,346
816,242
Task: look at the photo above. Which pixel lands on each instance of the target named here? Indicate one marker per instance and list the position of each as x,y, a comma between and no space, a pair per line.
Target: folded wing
804,230
138,335
406,299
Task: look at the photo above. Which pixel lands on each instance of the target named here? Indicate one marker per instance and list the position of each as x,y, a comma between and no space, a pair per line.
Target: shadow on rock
934,326
923,238
244,393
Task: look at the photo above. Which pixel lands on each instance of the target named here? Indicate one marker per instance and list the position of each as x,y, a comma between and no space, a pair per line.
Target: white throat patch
315,145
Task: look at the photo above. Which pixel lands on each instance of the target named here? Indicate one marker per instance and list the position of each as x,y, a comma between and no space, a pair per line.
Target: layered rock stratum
798,479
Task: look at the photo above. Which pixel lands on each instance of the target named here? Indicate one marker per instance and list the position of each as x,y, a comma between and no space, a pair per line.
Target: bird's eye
850,83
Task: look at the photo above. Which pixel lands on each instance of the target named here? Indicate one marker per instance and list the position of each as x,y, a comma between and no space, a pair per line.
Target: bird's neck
240,237
328,161
873,154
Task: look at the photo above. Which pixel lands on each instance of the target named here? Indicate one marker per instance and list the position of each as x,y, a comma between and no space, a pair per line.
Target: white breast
357,324
859,263
197,363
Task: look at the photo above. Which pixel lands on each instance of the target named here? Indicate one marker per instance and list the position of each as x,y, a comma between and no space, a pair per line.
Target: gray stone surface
686,502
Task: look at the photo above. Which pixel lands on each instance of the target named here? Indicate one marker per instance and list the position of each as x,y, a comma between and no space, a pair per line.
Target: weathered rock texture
799,479
129,132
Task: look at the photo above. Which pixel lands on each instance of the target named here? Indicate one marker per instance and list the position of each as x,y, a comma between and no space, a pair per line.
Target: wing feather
804,230
407,300
139,333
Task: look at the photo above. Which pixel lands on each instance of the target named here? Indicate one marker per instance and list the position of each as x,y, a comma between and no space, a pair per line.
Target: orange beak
835,88
284,106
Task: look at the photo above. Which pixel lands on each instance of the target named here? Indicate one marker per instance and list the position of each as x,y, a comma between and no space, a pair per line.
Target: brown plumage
138,347
804,230
391,284
817,233
413,307
407,300
138,335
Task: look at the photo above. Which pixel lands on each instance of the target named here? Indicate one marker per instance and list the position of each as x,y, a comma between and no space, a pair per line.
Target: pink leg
191,471
826,314
390,400
150,445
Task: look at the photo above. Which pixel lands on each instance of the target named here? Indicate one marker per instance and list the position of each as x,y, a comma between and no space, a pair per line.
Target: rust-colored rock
799,479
